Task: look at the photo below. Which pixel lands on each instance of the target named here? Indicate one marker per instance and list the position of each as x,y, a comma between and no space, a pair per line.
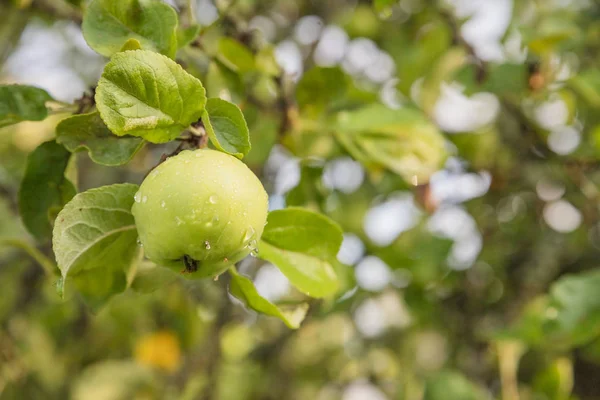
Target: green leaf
266,62
150,277
452,385
109,24
145,94
569,316
44,189
235,55
444,68
88,132
310,190
574,309
303,245
187,35
98,285
319,89
551,32
587,85
22,103
501,79
403,140
384,6
96,230
376,118
226,127
222,82
556,380
243,289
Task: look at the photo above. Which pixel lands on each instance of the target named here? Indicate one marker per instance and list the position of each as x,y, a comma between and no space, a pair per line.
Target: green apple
199,212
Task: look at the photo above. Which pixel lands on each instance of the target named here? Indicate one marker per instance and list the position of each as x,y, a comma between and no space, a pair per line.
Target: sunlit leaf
145,94
235,55
109,24
403,140
320,88
302,244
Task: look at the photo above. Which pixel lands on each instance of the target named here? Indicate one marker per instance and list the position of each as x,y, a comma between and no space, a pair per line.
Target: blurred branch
458,39
10,196
12,25
539,148
265,353
289,112
237,28
186,12
47,264
60,9
509,354
212,353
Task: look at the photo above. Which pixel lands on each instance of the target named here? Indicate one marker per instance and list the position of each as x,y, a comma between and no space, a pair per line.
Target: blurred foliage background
469,261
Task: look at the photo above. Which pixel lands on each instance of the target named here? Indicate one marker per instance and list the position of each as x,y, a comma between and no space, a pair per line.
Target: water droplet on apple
253,248
178,221
213,199
207,245
249,235
137,197
163,204
144,199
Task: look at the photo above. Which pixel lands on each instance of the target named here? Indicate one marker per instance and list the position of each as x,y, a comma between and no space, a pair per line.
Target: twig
196,138
86,102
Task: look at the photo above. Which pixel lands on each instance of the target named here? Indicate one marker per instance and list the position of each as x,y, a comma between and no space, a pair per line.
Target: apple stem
191,265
